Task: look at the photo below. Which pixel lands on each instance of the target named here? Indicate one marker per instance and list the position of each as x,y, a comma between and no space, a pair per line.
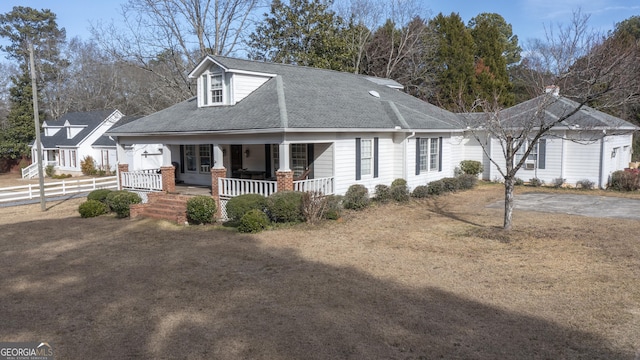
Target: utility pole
36,120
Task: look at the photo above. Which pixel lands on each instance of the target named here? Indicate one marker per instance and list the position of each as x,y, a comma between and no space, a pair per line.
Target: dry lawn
428,280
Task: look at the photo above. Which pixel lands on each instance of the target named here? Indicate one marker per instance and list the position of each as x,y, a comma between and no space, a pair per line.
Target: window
105,160
216,89
205,158
72,160
434,156
205,89
275,150
298,158
366,158
424,154
62,158
537,156
190,157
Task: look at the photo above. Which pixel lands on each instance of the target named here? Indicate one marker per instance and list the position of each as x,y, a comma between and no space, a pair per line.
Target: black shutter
375,157
440,153
267,160
182,159
417,156
542,153
358,165
212,161
310,155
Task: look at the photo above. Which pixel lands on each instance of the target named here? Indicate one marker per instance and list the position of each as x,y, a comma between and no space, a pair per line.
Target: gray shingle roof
313,98
91,119
105,140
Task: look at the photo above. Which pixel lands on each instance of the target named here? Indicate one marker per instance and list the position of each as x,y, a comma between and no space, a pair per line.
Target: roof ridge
282,103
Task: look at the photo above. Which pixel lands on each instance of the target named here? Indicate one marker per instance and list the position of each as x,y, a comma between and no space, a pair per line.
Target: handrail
322,185
234,187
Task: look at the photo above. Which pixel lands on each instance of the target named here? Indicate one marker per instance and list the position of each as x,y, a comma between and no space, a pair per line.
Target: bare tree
178,33
586,68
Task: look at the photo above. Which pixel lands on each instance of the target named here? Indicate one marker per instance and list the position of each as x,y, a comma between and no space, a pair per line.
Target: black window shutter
375,157
417,156
310,158
440,153
542,153
358,159
267,160
182,159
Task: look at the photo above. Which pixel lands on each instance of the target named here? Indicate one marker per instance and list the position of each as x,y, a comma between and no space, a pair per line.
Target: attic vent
374,94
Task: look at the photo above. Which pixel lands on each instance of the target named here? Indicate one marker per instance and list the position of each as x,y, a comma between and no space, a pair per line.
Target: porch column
285,180
217,173
285,155
218,156
166,155
121,168
168,174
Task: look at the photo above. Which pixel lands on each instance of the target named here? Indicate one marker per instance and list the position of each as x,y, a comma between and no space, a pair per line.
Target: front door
236,159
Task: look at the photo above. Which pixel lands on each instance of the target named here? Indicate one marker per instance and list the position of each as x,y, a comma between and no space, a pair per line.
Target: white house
253,125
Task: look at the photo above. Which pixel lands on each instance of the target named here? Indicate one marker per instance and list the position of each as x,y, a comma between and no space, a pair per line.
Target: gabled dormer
50,130
73,130
220,85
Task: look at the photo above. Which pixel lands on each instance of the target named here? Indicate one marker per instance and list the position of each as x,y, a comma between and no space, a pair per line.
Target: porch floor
190,189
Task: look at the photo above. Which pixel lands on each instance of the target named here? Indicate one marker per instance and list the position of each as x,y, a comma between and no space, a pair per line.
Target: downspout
602,176
562,155
405,175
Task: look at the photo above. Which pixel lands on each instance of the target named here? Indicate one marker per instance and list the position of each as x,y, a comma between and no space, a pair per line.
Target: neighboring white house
256,121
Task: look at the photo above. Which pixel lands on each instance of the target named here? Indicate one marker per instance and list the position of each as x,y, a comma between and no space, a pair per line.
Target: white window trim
435,166
363,146
205,93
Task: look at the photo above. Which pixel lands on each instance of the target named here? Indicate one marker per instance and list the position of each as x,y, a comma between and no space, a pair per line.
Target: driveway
575,204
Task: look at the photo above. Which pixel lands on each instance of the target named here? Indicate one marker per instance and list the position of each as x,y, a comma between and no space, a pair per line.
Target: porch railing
31,171
150,180
322,185
230,187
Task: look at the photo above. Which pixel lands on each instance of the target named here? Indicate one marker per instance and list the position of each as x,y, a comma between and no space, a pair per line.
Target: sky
527,17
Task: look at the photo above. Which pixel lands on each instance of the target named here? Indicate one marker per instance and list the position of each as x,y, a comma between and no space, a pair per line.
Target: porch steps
163,206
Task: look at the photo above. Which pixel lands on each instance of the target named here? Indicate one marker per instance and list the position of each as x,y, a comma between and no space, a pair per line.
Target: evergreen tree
302,32
20,132
454,58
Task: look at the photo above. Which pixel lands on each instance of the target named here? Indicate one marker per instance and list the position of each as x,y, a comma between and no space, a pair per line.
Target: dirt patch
430,279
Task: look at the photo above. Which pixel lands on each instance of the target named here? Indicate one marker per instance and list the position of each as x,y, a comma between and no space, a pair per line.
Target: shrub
88,166
92,208
400,192
557,182
201,209
624,181
471,167
120,200
397,182
240,205
585,184
467,181
451,184
50,171
99,195
535,182
436,188
518,182
314,205
356,197
333,207
285,206
421,191
253,221
383,193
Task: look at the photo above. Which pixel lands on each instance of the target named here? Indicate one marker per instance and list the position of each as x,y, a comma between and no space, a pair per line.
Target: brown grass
431,279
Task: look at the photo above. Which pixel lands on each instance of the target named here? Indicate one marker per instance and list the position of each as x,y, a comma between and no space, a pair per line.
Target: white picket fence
31,171
64,187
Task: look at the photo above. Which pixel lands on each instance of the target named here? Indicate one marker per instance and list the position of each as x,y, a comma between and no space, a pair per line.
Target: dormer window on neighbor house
213,89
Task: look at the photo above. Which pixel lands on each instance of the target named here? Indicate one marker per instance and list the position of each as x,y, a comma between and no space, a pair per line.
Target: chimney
554,89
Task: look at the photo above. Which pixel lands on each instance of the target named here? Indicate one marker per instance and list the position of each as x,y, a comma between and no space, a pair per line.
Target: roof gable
76,127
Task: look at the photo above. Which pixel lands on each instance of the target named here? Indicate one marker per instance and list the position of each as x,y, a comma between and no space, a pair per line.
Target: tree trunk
508,203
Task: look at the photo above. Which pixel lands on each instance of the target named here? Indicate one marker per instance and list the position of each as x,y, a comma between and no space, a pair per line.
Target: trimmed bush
400,192
356,197
585,184
120,200
535,182
333,207
88,166
421,191
253,221
99,194
557,182
201,209
451,184
518,182
467,181
285,207
471,167
383,193
240,205
92,208
436,187
50,171
624,181
399,181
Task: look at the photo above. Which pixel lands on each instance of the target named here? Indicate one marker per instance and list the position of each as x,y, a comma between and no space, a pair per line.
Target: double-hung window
190,158
216,89
424,154
434,155
205,157
428,154
366,156
298,158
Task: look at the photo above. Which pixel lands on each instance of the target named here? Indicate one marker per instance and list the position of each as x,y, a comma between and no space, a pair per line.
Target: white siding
243,85
323,162
425,177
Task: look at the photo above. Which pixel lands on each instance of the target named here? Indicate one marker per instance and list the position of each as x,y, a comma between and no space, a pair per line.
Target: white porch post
166,155
218,161
285,155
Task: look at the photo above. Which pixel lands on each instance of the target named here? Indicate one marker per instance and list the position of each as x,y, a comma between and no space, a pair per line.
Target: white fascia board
205,62
246,72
